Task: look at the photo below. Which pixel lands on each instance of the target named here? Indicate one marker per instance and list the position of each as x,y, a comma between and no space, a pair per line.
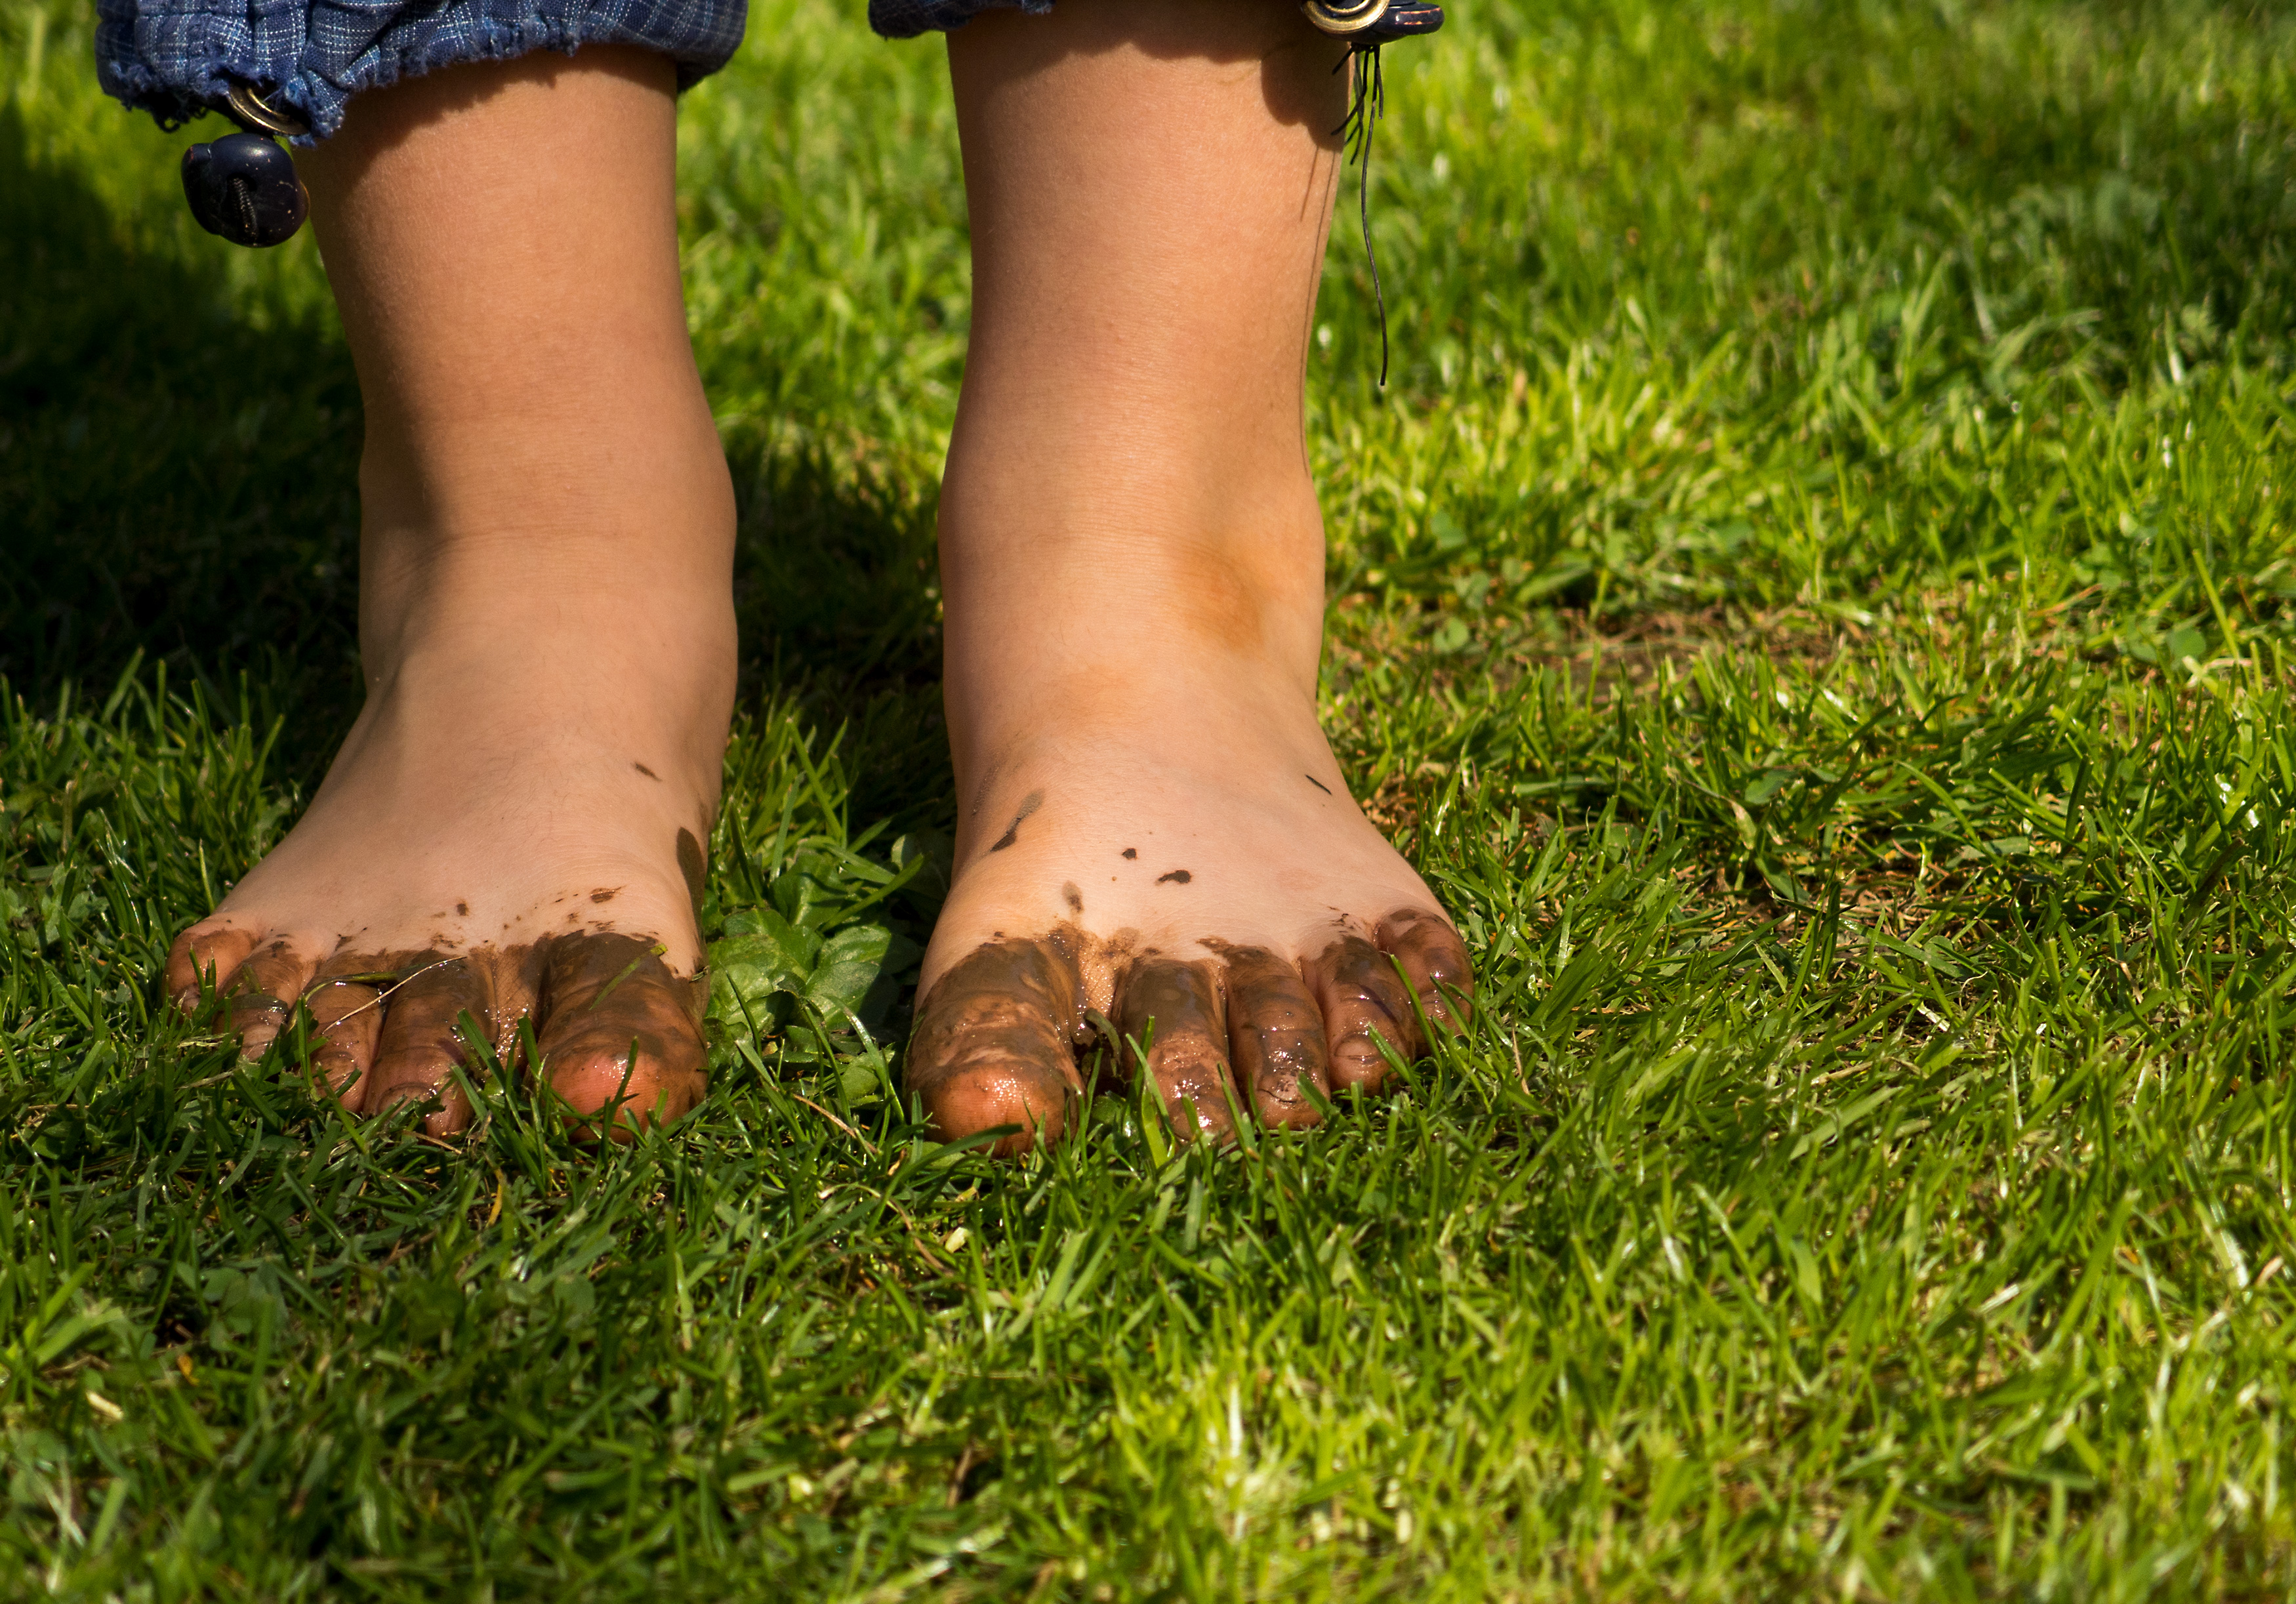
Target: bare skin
1154,829
511,834
1155,839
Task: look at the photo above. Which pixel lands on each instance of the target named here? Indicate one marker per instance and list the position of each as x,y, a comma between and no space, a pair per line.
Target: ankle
595,559
1066,576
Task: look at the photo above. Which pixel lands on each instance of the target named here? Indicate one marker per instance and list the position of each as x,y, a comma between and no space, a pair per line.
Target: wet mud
621,1033
1276,1037
998,1038
1435,960
1361,1000
1173,1017
252,996
1072,896
995,1042
1179,877
617,1027
422,1037
1131,852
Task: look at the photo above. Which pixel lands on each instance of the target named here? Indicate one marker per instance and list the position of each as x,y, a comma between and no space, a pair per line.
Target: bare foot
1132,560
469,866
1187,867
513,833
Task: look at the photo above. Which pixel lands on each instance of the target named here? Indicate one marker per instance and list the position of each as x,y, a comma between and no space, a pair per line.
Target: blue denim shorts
174,58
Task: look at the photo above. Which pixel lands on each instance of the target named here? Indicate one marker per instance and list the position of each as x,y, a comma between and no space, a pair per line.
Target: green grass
1815,600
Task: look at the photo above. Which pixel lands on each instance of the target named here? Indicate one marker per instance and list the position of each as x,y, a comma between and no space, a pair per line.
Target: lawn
1818,600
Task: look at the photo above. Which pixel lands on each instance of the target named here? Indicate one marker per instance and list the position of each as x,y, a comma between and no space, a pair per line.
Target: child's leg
546,614
1152,826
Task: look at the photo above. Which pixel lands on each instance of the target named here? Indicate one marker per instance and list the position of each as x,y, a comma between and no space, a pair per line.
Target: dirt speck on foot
1179,877
1029,804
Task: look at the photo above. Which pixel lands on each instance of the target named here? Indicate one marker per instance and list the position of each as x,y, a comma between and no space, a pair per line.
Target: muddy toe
1275,1037
345,1003
203,960
423,1039
262,995
620,1035
996,1045
1175,1011
254,981
1364,1002
1435,962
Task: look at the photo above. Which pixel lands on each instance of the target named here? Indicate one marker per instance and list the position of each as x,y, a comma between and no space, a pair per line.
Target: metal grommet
251,111
1345,17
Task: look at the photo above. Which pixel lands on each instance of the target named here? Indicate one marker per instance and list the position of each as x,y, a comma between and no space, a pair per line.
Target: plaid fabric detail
173,58
906,19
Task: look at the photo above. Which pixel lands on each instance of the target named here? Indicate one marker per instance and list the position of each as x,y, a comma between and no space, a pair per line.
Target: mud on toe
1244,1030
618,1030
1276,1037
1173,1017
995,1043
621,1033
421,1038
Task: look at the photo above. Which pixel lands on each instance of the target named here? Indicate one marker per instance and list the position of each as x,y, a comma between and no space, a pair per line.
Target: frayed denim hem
176,58
906,18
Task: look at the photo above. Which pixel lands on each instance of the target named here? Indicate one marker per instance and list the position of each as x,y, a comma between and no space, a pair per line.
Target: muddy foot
1245,943
470,873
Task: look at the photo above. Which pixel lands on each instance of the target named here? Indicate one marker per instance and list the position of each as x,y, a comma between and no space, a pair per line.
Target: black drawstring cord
1356,136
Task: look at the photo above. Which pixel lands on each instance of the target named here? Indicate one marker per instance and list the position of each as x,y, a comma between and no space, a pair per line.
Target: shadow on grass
179,482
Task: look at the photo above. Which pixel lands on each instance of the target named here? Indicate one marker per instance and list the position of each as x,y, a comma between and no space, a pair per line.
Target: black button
244,188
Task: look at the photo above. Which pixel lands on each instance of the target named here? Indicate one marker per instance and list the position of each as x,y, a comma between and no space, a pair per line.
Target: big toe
620,1036
995,1044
